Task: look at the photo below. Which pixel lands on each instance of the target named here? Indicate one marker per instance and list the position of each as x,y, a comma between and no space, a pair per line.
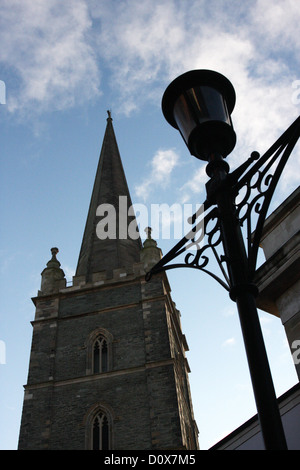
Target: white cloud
229,311
60,47
266,324
279,24
195,184
162,165
266,319
147,44
58,51
46,44
229,342
69,272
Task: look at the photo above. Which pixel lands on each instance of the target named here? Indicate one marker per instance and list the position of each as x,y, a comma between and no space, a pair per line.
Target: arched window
99,428
100,355
100,432
99,352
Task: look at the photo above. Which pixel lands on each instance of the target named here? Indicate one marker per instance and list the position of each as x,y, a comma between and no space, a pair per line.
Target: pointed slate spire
106,244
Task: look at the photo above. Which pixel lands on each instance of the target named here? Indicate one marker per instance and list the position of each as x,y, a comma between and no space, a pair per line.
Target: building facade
279,277
108,369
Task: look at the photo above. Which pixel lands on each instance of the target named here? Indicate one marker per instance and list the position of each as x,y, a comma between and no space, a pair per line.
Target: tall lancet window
99,349
101,432
100,355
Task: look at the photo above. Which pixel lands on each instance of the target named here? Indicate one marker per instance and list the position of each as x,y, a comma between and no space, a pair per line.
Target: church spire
106,244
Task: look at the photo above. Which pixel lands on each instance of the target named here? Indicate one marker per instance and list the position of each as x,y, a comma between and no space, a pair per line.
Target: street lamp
199,104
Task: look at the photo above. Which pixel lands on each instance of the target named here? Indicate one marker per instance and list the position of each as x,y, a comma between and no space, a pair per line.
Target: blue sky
64,63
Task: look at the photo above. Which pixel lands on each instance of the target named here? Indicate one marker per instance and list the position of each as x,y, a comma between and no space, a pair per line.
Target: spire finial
150,253
54,251
53,278
148,231
53,261
109,115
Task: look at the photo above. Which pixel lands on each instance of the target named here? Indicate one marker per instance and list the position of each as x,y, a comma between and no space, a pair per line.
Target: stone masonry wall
139,389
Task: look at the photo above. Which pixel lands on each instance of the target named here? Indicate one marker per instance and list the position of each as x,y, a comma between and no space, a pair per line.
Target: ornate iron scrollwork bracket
251,186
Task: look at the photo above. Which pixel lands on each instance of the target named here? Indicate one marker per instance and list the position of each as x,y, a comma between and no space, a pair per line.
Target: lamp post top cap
192,79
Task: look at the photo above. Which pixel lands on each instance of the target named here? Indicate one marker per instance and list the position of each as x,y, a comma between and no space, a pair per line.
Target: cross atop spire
114,251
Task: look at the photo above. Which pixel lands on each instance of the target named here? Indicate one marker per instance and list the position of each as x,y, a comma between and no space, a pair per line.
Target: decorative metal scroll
258,185
254,183
202,240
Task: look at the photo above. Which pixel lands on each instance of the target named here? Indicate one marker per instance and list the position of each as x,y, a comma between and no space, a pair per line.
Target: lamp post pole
243,292
199,104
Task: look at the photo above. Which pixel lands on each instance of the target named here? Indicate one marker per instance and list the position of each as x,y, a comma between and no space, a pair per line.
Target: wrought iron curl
259,183
255,178
213,238
203,231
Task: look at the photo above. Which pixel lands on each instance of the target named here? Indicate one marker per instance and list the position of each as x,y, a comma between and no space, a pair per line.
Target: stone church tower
107,366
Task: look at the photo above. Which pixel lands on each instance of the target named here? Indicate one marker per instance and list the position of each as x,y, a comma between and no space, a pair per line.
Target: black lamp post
199,104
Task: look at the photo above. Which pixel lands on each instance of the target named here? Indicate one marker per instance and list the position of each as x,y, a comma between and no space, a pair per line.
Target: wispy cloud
57,53
255,44
47,46
69,272
162,165
194,185
229,310
59,50
266,321
229,342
